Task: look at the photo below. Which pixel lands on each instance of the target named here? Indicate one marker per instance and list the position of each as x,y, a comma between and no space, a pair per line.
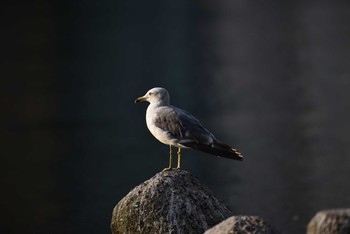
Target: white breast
158,133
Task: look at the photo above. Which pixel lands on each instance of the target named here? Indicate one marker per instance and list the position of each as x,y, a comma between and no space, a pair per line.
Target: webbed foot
168,169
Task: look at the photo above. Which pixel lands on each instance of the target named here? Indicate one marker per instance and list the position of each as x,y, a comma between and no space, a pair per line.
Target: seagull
178,128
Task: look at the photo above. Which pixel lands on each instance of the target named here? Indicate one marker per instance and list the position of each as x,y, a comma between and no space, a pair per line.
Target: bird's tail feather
218,149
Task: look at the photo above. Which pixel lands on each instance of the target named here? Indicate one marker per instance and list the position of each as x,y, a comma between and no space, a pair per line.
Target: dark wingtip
237,155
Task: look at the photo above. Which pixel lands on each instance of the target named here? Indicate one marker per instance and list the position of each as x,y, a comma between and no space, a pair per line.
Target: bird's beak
140,99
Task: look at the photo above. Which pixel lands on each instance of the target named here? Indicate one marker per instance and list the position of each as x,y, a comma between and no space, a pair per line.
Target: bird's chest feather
160,134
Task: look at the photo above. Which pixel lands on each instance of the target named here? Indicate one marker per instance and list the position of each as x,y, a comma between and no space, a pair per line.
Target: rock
243,225
169,202
330,222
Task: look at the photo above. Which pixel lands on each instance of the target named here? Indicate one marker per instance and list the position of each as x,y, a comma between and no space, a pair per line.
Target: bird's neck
158,104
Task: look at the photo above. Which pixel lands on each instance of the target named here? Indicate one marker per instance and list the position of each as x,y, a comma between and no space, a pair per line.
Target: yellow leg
170,160
178,158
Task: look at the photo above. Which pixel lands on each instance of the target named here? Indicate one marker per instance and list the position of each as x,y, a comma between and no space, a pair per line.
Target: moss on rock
169,202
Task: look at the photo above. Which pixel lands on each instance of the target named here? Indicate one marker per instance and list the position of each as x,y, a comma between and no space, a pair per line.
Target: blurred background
271,78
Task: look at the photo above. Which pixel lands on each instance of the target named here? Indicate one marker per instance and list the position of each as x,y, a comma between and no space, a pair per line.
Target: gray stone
243,225
335,221
169,202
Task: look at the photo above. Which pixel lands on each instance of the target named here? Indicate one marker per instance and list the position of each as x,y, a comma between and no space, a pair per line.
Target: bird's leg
178,158
170,160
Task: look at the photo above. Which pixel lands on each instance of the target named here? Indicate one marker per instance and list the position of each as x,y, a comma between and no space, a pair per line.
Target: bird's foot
172,169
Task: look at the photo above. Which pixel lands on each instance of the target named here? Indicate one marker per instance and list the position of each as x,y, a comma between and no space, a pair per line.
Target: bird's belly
162,136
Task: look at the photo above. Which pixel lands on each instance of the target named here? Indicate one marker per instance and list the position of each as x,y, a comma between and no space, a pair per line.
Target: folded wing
189,132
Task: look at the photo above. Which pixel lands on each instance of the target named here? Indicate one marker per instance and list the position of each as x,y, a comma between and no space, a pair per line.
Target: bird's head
159,96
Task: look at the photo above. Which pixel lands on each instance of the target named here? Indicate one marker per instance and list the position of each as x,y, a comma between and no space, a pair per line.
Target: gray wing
189,131
182,125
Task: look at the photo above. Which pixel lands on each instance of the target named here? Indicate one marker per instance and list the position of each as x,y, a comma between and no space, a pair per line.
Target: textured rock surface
169,202
330,222
243,225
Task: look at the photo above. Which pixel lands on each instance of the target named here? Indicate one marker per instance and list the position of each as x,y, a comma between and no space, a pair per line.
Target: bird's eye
150,93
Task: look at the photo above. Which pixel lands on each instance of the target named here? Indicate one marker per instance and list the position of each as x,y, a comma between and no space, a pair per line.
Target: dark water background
269,77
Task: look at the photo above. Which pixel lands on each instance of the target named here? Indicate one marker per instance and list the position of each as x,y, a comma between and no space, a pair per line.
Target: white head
158,96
